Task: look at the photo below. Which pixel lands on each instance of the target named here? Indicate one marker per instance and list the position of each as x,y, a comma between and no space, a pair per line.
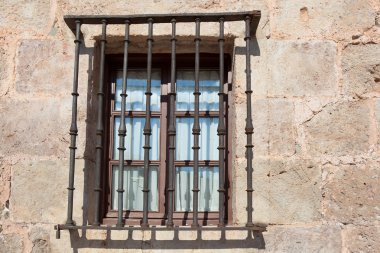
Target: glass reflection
208,140
133,186
134,140
136,88
208,199
208,86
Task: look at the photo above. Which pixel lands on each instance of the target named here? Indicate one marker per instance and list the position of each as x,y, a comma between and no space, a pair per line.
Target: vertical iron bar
196,127
172,127
122,129
221,126
249,125
73,127
147,127
100,126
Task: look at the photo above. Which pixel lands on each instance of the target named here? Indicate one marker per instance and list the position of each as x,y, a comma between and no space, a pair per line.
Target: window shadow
254,48
253,45
169,239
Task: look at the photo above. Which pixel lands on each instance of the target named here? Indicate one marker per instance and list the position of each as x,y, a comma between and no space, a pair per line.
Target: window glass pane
208,199
136,87
208,140
133,186
208,86
134,141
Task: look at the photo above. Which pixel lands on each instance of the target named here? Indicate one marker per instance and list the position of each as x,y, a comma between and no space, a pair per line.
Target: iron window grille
74,23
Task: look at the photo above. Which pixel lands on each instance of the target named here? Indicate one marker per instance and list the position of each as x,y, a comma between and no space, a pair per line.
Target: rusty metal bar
161,228
160,18
73,127
100,126
249,125
122,129
221,126
147,127
172,128
196,126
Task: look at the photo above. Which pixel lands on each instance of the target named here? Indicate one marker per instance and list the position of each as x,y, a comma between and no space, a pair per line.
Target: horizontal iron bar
160,18
159,228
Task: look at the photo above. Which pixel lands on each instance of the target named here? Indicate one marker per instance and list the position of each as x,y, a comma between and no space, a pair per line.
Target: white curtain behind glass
208,199
134,140
133,186
208,86
208,139
136,88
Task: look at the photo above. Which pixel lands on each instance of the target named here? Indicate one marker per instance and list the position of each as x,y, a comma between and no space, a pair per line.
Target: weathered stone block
303,239
37,127
274,128
333,19
351,193
286,68
11,243
280,129
377,118
34,72
156,6
302,68
4,212
339,129
4,73
5,183
294,191
286,191
39,191
97,7
40,239
377,115
260,78
361,69
261,198
361,238
26,17
305,109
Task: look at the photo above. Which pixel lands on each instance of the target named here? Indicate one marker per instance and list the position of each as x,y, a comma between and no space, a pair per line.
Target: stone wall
316,111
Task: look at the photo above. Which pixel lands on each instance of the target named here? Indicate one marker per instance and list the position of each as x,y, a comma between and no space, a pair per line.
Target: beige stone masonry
316,113
39,192
361,70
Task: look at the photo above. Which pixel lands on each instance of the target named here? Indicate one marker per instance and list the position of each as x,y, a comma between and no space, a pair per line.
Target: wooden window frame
161,61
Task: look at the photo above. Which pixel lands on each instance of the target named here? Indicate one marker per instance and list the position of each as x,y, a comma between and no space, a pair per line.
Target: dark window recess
165,131
182,112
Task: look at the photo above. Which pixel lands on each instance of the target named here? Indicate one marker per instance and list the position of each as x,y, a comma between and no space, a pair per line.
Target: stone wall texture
316,113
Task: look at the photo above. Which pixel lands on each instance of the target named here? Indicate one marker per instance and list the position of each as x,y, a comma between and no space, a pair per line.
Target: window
158,197
135,113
